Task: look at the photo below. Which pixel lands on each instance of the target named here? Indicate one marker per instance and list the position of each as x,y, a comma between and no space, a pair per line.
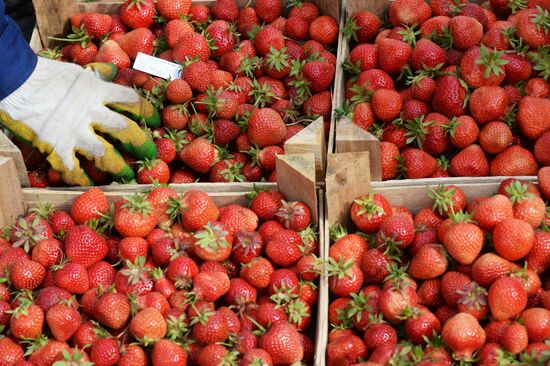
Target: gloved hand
62,106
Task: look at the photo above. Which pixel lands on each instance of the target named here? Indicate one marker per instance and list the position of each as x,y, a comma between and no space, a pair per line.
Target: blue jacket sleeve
17,60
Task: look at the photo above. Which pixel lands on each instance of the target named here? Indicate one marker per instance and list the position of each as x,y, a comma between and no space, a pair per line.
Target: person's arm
17,60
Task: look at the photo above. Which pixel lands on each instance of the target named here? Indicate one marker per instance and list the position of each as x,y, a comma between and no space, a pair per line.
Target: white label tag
157,66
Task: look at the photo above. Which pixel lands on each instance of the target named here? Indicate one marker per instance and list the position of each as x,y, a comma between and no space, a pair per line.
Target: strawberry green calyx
473,296
249,65
138,203
74,358
338,269
359,304
261,94
289,211
250,242
212,236
541,19
417,130
297,310
362,94
26,234
517,5
444,163
368,206
233,172
34,344
345,111
443,39
136,271
461,216
518,191
492,60
410,34
443,199
79,35
353,69
350,30
99,330
337,232
177,328
541,60
277,59
309,237
51,53
283,295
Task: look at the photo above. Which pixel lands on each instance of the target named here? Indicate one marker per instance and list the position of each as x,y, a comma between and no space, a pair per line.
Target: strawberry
97,25
492,211
283,343
105,351
257,272
265,127
466,32
506,298
27,320
538,258
199,155
269,38
495,137
11,353
294,215
421,323
63,321
268,10
25,274
284,248
138,40
450,96
513,238
489,267
363,116
417,163
346,350
471,162
148,325
386,104
166,352
192,45
85,246
389,157
225,10
138,13
73,278
403,12
133,355
197,209
101,274
153,170
134,216
482,67
394,55
428,263
515,338
173,9
210,286
369,211
362,27
530,112
536,323
214,242
451,283
464,242
89,205
83,54
532,26
110,51
515,160
319,74
324,30
463,334
488,103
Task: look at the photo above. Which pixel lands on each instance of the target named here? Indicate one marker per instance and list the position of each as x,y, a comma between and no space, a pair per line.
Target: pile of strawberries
159,279
457,283
452,88
252,78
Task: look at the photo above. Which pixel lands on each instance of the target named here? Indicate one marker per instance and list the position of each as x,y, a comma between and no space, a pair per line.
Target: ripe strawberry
257,272
225,10
464,242
530,112
538,258
83,54
89,205
488,103
482,67
73,278
463,334
394,55
449,97
324,30
197,210
319,74
428,263
148,325
97,25
536,321
63,321
210,286
492,211
532,26
11,353
489,267
403,12
173,9
133,355
27,320
417,163
25,274
269,10
506,298
284,248
105,351
138,40
134,216
138,13
513,238
470,162
199,155
110,51
515,338
346,350
466,32
85,246
153,170
294,215
515,160
495,137
363,26
283,342
386,104
167,352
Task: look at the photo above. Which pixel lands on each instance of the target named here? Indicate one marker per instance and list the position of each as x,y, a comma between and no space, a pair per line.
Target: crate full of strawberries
448,88
161,278
253,78
444,275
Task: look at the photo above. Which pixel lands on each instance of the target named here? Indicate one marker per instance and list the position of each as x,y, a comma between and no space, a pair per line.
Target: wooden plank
36,42
11,197
206,187
296,179
9,150
52,16
352,138
377,7
311,140
321,334
348,176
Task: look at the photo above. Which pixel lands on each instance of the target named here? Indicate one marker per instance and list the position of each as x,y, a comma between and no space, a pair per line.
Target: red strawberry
464,242
199,155
27,320
531,26
463,334
283,342
488,103
449,97
470,162
63,321
169,9
138,40
418,164
530,116
110,51
394,55
25,274
428,263
138,13
515,160
265,127
319,74
89,205
85,246
324,30
404,12
97,25
506,298
225,10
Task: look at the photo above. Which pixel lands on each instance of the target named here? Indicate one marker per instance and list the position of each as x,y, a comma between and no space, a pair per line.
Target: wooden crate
15,201
53,20
349,137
